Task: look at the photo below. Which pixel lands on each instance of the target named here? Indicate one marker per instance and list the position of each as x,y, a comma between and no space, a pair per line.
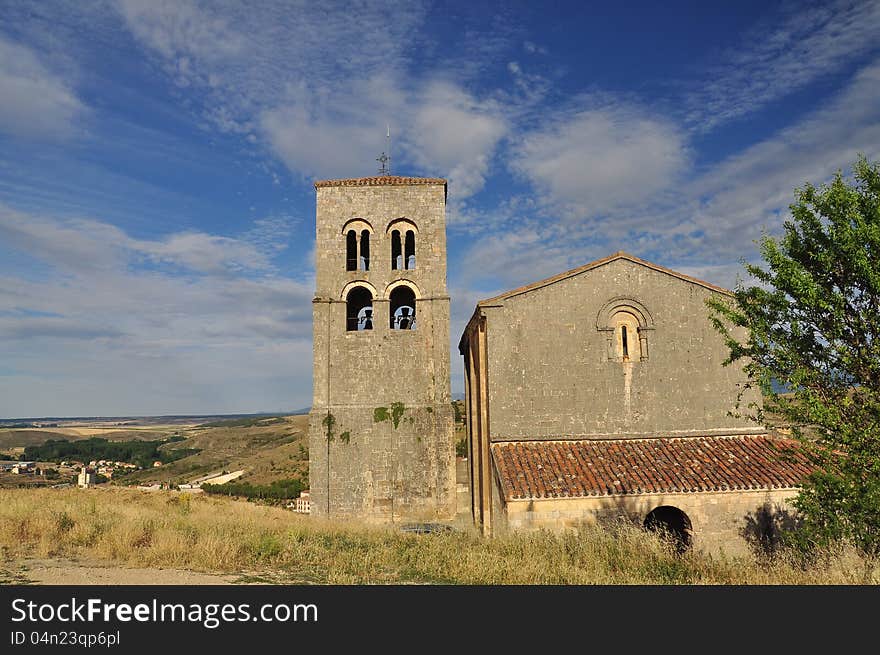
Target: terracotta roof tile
578,468
381,180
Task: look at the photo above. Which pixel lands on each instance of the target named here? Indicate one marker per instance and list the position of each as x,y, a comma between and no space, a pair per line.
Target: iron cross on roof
384,164
384,159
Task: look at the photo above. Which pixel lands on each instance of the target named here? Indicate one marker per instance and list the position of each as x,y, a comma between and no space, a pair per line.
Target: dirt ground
70,572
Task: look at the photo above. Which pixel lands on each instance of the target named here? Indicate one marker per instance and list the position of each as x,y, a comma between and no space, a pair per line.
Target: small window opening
351,251
626,341
365,250
396,257
359,310
403,309
410,252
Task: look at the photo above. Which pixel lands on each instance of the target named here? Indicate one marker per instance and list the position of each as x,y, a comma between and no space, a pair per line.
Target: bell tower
380,429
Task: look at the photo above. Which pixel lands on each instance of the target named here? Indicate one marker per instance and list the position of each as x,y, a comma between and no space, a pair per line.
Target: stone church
596,393
600,393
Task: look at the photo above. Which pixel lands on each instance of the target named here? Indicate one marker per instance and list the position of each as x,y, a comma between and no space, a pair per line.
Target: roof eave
596,264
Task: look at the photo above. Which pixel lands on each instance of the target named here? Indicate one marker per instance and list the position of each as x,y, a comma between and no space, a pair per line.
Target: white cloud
34,101
702,226
438,127
204,315
777,59
595,160
734,200
318,88
334,133
77,245
455,133
532,48
182,32
204,253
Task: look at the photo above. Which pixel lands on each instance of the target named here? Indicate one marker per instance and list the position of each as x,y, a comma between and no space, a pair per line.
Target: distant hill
268,447
172,419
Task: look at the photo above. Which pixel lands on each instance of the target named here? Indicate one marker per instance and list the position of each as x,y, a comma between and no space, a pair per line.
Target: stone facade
551,355
618,349
381,433
724,521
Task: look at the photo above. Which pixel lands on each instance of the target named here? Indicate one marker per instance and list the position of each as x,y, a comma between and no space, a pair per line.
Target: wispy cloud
176,310
702,224
250,61
320,118
734,200
776,59
184,33
35,102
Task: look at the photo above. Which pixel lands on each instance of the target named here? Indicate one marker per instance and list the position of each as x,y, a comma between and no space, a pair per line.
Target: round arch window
626,336
403,308
359,310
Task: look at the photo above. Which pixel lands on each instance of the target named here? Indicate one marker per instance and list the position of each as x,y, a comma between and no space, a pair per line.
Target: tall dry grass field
129,528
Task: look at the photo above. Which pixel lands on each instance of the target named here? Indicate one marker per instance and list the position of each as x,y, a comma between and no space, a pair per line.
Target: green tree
813,347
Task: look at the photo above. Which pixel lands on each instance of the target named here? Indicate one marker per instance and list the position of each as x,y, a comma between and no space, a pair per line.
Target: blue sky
157,161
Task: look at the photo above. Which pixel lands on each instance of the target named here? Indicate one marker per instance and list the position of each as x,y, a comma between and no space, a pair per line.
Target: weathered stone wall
361,467
551,373
424,204
721,521
374,471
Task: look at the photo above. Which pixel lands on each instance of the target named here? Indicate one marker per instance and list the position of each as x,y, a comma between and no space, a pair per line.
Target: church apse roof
381,180
583,468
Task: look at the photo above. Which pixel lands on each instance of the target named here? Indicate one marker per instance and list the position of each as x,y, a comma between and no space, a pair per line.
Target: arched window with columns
402,232
627,325
358,233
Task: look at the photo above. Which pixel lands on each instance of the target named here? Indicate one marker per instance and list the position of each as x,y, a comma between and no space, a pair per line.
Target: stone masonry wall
360,467
721,521
551,377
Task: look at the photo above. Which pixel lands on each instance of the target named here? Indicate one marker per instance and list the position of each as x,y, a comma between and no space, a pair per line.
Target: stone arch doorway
672,524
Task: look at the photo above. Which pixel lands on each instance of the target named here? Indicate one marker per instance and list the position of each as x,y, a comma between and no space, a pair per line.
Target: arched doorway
672,524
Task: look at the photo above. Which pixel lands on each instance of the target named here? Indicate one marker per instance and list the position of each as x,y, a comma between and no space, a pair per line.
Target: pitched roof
381,180
581,468
596,264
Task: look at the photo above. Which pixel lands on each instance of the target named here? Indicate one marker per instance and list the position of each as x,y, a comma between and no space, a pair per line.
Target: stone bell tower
380,429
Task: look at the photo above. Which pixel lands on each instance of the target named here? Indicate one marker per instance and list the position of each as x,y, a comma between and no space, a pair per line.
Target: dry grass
130,528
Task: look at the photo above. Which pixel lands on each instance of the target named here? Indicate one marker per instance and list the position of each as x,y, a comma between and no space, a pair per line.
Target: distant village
85,475
63,473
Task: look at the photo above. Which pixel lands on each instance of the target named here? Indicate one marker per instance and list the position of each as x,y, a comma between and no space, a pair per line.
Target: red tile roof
584,467
382,180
